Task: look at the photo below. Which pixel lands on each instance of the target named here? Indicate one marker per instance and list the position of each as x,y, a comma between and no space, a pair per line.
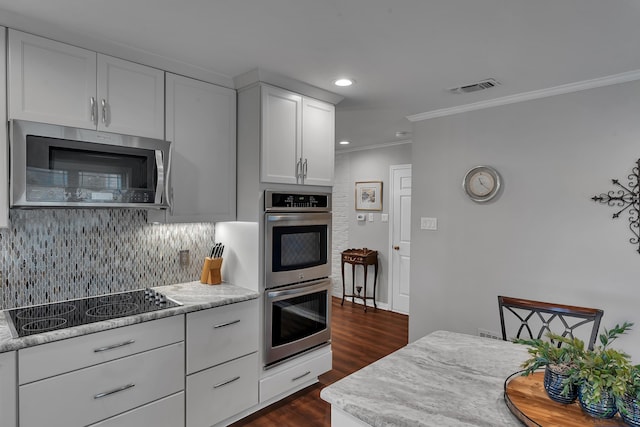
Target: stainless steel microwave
58,166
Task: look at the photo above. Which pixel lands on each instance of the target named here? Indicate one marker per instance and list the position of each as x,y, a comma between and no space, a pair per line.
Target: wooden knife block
211,271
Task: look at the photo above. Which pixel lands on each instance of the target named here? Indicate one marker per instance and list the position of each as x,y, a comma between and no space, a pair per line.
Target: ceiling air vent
484,84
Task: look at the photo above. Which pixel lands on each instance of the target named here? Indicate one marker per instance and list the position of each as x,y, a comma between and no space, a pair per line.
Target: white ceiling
404,54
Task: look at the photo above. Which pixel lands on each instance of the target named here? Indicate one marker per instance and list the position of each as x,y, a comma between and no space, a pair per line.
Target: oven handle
303,289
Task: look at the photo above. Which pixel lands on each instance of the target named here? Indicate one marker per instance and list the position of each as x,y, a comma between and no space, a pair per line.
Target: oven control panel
294,201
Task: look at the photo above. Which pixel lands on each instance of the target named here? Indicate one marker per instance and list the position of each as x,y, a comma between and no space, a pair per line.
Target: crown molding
527,96
374,147
260,75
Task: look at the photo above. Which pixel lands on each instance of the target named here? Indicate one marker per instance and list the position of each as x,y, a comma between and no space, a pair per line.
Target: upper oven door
297,247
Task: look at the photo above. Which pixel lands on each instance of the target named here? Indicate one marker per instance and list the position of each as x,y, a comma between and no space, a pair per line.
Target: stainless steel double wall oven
298,265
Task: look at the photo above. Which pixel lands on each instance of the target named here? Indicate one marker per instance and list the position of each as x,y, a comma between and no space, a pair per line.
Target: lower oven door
297,318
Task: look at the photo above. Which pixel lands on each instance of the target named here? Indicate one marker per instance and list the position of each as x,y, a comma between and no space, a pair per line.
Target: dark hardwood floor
358,339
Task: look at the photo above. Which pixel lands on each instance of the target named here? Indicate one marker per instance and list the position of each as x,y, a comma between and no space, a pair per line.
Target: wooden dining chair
546,317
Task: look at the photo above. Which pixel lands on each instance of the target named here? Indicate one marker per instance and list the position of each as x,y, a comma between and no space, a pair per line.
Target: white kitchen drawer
87,350
166,412
72,399
300,371
221,334
221,392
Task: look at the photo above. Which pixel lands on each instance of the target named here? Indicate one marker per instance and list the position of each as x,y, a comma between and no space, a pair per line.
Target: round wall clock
482,183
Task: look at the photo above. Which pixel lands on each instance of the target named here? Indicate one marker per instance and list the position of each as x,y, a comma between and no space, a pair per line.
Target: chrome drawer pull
117,390
226,382
111,347
301,376
222,325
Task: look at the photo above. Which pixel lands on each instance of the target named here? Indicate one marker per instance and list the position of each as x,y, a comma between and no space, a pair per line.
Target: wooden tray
528,401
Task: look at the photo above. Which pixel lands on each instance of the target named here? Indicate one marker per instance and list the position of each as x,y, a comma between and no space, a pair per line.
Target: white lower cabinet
166,412
289,377
88,395
218,393
8,389
222,362
221,334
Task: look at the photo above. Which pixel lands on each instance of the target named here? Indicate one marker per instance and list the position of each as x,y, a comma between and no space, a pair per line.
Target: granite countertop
193,296
442,379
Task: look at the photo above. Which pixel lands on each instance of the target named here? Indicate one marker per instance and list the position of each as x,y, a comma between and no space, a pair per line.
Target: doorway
400,237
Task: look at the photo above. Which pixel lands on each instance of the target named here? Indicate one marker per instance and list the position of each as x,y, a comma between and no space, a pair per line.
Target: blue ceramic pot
605,408
630,410
553,384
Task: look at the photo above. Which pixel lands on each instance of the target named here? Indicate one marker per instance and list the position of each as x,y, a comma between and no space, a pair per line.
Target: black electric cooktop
50,317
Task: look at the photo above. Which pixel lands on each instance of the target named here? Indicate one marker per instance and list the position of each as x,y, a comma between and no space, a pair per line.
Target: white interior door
400,237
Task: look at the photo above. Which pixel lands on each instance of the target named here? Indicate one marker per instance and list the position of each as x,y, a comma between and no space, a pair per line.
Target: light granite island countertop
442,379
193,296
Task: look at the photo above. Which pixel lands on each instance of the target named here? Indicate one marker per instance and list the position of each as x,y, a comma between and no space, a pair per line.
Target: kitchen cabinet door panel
201,124
99,392
221,334
281,135
166,412
134,98
218,393
8,389
318,136
4,149
79,352
50,82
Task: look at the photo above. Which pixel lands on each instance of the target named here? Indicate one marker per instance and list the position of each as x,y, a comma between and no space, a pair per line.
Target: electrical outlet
184,258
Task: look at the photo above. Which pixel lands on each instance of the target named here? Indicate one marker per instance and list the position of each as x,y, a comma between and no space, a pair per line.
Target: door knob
396,248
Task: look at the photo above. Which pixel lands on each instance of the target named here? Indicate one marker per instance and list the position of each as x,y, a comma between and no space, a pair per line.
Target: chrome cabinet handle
299,169
104,111
222,325
304,169
300,376
92,104
111,347
117,390
226,382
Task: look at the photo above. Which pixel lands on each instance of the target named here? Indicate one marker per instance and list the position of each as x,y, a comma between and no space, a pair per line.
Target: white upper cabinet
56,83
130,98
4,151
281,135
201,123
51,82
318,142
297,138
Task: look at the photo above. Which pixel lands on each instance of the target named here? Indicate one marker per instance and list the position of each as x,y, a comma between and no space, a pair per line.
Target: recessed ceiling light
345,142
343,82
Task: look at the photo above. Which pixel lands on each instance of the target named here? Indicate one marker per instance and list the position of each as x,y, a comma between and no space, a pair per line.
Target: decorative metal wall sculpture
627,199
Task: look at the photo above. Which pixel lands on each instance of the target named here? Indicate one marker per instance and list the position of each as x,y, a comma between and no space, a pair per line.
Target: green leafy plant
559,353
633,387
603,369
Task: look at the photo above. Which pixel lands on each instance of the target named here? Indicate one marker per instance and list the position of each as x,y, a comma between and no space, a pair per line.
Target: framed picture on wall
369,196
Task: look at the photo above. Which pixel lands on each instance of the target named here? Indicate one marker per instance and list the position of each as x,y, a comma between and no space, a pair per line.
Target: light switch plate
384,217
370,217
428,223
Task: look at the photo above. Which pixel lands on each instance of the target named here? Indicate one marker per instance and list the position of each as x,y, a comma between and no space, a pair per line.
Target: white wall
363,165
543,238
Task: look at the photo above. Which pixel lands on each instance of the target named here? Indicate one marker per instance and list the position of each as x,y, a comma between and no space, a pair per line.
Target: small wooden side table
364,257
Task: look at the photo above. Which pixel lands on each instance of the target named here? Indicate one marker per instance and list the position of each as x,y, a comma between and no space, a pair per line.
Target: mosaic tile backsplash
52,255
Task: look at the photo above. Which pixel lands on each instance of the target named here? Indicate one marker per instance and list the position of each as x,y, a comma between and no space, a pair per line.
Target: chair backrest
546,317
